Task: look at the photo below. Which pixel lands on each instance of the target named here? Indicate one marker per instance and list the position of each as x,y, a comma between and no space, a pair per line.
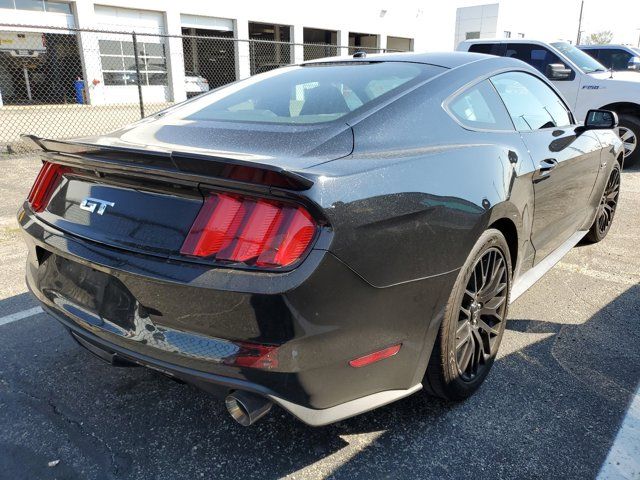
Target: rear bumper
182,317
220,385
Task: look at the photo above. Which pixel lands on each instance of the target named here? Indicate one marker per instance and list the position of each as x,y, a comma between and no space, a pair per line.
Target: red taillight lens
254,355
46,182
375,356
257,232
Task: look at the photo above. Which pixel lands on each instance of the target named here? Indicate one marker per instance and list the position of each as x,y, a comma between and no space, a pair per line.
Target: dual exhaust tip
247,408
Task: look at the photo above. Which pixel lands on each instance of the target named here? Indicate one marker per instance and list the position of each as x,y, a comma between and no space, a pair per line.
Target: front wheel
474,321
606,208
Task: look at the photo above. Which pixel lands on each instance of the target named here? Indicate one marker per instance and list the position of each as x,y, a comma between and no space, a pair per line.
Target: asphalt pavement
568,368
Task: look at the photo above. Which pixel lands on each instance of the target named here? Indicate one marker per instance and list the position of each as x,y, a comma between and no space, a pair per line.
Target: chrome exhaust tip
246,408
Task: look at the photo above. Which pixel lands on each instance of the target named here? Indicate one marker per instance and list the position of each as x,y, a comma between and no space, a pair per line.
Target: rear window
306,94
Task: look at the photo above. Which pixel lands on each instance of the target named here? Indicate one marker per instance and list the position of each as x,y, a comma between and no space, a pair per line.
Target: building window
119,63
472,35
521,35
37,5
507,34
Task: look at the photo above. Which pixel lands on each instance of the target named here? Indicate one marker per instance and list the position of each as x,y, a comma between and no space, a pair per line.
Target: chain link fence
65,83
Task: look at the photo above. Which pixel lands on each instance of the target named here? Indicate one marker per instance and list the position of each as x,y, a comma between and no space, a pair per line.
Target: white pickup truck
585,83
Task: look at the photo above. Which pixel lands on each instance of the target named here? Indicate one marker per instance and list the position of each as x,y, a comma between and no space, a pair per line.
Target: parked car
330,259
585,83
615,57
195,84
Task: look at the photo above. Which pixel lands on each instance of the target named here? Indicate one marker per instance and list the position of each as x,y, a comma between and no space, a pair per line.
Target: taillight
46,182
252,231
254,355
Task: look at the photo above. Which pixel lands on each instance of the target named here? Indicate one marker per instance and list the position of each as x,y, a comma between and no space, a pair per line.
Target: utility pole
580,23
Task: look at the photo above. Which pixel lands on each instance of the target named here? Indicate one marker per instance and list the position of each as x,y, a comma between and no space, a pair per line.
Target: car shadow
549,409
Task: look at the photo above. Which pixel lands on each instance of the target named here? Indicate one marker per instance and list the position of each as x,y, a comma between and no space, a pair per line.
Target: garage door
127,19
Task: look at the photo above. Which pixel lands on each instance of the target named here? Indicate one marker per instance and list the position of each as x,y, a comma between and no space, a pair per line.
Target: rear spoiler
185,162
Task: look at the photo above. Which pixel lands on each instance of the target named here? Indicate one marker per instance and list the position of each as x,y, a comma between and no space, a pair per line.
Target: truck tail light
251,231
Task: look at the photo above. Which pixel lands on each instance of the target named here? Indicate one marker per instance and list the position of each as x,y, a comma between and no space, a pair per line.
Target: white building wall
479,19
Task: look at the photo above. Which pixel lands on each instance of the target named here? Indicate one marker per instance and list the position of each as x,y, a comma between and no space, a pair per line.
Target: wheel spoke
461,340
465,358
627,135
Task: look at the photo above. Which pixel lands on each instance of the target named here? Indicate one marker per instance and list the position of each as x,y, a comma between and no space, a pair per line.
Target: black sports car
329,237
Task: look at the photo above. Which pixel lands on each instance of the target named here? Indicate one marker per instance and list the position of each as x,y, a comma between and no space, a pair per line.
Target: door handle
544,169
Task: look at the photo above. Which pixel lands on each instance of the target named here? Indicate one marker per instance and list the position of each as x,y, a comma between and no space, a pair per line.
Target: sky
558,19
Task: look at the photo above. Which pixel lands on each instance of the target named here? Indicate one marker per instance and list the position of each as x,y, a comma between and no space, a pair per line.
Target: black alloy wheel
474,321
606,208
482,310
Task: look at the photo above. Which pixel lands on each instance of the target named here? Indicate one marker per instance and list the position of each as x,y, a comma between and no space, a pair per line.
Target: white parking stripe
20,315
623,461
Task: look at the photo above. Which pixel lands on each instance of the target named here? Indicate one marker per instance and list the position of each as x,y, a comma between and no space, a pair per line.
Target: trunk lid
289,147
142,216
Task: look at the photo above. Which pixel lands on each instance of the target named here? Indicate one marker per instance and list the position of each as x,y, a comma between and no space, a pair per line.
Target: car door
540,57
567,163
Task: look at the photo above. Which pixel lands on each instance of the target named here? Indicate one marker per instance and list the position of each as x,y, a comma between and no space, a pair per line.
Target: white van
585,83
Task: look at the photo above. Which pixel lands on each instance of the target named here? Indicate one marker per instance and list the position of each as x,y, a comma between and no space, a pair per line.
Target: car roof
512,40
605,47
439,59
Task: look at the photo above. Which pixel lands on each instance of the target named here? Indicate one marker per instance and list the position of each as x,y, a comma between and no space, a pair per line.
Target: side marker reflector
375,356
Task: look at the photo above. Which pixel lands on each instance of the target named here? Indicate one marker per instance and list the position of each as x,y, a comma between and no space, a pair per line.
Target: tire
447,375
630,124
607,208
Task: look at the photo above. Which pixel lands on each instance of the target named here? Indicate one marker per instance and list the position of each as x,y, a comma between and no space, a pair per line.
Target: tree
600,38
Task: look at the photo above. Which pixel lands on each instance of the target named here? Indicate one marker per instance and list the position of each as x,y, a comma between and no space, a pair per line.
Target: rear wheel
474,321
629,131
606,208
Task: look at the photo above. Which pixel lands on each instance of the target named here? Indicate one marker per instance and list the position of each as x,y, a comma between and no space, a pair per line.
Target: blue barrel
79,86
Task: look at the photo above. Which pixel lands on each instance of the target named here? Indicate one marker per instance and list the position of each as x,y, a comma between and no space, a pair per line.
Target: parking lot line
623,459
20,315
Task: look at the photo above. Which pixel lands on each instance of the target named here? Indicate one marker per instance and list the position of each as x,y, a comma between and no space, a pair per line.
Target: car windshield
313,93
582,60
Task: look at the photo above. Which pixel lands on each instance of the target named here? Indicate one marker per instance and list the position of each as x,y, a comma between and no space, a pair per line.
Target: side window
488,48
530,102
535,55
593,52
614,58
480,107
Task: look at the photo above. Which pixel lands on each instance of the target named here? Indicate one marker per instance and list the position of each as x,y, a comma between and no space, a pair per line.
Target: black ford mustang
329,237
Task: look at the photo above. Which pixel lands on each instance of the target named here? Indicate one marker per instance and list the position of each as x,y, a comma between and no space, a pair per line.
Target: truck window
488,48
592,52
614,58
537,56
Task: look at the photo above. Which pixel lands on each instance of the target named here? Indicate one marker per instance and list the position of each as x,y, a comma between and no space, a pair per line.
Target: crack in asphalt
78,425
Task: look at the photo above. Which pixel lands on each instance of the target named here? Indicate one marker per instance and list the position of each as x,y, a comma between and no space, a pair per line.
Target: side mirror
601,120
634,63
557,71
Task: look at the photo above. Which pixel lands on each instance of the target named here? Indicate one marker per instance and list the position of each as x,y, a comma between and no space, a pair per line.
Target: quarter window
530,102
480,107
